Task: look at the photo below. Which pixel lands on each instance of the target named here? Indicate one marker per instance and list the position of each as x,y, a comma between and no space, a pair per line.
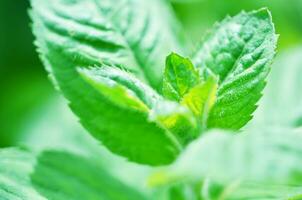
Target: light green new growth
239,50
184,84
200,99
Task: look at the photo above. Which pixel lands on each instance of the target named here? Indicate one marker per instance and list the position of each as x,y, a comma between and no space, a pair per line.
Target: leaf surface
84,33
120,87
200,100
54,175
239,50
281,104
179,77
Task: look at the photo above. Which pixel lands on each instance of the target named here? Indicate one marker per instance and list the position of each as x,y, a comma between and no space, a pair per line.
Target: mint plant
75,50
124,69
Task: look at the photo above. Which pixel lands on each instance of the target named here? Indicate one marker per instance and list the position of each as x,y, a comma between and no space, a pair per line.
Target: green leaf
54,175
137,37
281,104
239,51
132,97
182,83
15,168
120,87
143,141
67,134
83,33
265,157
179,77
200,99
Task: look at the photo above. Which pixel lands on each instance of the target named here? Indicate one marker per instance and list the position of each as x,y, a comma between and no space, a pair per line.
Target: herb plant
125,70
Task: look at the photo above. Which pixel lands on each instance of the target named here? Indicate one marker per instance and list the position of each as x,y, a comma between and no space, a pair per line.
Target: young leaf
269,157
84,33
239,50
200,99
179,77
182,84
23,176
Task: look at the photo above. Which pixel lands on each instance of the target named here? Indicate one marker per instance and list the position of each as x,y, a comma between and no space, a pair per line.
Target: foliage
83,58
113,63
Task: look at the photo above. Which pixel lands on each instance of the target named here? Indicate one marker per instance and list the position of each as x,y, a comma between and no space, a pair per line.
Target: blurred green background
24,85
26,90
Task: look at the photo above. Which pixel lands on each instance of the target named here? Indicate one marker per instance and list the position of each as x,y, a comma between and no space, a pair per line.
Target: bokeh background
28,101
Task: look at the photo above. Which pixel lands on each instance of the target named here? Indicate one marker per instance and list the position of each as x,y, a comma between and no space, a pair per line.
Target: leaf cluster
112,61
